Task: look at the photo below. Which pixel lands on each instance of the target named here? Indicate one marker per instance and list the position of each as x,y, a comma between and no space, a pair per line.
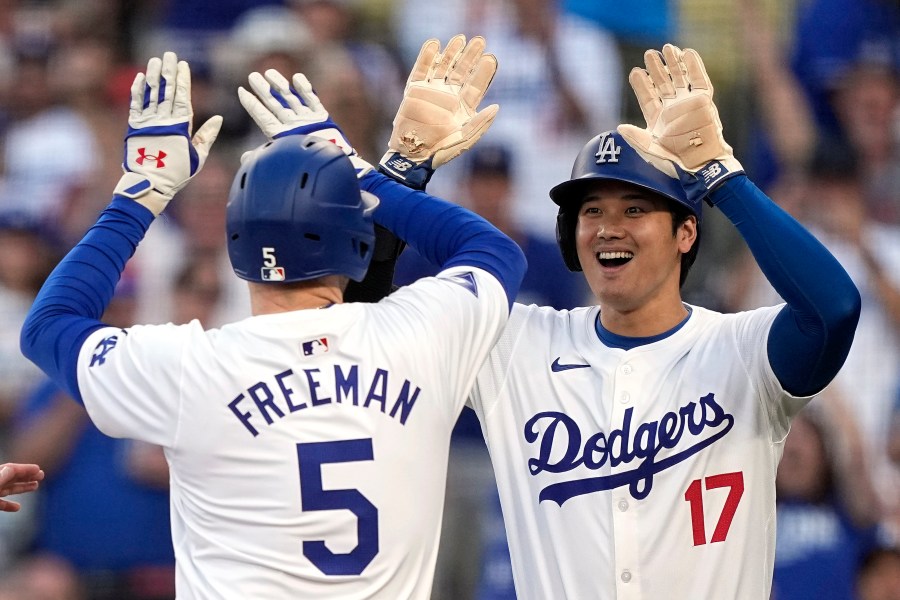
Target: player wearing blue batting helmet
609,157
296,212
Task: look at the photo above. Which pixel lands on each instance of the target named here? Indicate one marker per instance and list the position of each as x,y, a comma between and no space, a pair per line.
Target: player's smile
611,258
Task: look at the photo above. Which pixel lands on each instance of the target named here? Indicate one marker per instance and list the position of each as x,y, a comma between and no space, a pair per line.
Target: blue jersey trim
614,340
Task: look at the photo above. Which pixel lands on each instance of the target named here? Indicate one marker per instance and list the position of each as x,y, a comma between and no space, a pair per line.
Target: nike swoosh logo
556,367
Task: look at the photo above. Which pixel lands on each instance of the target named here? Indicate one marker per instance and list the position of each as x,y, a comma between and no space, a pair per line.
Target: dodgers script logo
102,349
705,421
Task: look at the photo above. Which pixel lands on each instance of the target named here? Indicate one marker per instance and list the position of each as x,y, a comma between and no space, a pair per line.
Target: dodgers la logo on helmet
608,150
608,157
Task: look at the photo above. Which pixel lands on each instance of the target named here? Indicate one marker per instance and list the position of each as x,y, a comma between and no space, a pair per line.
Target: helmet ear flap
565,238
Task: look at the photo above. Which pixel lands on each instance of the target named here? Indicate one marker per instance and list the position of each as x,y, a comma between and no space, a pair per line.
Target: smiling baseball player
308,443
635,442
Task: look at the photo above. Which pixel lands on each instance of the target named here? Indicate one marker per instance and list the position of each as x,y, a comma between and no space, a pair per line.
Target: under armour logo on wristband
157,158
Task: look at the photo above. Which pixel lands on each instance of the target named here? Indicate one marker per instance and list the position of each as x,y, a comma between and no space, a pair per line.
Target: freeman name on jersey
266,401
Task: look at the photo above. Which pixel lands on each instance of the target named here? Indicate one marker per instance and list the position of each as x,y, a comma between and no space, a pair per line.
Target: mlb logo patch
272,273
315,347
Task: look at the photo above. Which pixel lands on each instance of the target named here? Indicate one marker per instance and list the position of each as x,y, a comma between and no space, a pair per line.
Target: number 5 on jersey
311,457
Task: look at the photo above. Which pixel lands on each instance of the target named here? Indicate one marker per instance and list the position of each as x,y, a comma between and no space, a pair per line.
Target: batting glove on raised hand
437,120
281,109
683,137
160,154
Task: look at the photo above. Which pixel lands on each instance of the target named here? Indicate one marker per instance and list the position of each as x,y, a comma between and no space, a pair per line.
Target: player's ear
686,234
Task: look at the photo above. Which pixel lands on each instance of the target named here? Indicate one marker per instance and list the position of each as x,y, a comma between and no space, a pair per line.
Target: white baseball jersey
636,474
308,449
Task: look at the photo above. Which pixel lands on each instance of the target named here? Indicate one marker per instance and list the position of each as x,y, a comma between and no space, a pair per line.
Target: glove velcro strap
410,173
698,185
133,185
140,189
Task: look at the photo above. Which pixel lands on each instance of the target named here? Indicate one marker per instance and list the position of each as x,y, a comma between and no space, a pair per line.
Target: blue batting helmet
296,212
608,157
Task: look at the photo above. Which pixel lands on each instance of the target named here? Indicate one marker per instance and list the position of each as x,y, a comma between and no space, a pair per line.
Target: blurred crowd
808,94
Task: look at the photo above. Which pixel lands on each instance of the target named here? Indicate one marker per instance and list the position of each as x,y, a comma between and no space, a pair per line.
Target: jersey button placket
624,511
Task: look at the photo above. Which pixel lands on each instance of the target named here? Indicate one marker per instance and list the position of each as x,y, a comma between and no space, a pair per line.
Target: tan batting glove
438,118
683,126
161,155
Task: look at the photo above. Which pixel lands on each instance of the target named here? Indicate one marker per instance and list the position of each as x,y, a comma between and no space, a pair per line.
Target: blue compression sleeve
446,234
72,300
811,336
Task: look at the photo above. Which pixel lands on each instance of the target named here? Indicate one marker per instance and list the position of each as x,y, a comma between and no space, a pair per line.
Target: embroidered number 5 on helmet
296,212
608,157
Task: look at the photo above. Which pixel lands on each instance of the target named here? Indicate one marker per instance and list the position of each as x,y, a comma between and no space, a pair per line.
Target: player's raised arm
446,234
811,337
161,157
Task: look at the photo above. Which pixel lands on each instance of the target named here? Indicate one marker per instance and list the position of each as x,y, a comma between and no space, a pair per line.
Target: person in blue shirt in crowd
826,507
831,36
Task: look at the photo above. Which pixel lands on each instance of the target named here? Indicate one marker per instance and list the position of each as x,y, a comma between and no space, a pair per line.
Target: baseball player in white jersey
635,442
308,443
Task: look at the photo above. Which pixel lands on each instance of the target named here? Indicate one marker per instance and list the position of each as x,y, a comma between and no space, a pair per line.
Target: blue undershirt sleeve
445,234
811,336
72,300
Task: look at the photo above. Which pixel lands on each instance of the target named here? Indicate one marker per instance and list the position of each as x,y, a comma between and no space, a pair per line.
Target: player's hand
281,109
17,479
683,126
437,120
161,156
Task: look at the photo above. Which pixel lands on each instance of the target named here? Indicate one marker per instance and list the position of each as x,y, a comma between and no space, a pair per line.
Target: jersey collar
625,342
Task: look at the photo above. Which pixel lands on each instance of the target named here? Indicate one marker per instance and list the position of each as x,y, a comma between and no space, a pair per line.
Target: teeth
611,255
